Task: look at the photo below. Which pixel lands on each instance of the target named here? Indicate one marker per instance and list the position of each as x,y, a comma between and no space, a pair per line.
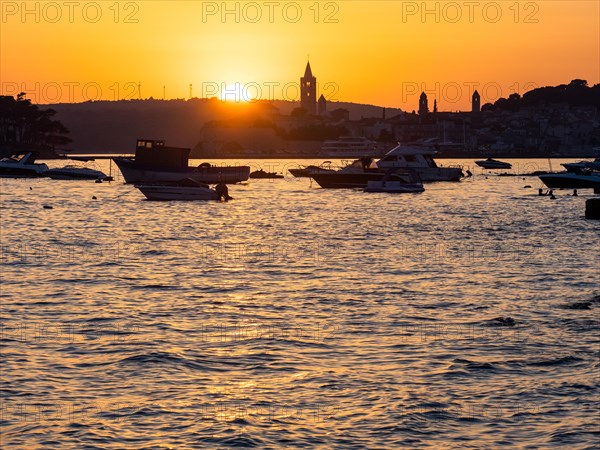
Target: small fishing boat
493,164
154,162
262,174
187,189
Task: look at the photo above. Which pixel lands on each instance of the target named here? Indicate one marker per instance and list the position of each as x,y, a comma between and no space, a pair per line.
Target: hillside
113,126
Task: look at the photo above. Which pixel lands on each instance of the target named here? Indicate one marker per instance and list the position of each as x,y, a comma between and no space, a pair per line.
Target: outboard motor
223,191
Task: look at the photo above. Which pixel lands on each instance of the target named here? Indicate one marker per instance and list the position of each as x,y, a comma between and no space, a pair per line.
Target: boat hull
58,174
493,166
19,174
428,174
570,180
265,176
299,173
337,180
23,172
307,171
135,173
392,187
340,180
169,193
25,167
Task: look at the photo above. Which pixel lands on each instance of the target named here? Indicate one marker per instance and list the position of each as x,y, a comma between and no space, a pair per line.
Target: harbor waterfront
465,316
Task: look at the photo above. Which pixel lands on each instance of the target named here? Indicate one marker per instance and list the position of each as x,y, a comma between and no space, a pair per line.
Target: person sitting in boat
223,191
366,162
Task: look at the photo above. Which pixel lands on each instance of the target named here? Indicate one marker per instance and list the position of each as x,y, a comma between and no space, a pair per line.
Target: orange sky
383,53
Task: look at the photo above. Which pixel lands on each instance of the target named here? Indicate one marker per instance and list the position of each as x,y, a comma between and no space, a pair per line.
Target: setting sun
236,92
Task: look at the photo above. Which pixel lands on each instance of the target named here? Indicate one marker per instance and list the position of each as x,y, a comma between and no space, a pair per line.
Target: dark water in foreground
294,317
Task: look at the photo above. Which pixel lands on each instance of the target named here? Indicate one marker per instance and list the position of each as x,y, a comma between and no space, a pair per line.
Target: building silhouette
308,91
322,105
476,102
423,104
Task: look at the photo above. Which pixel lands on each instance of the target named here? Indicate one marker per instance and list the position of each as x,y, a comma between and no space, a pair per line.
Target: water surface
296,317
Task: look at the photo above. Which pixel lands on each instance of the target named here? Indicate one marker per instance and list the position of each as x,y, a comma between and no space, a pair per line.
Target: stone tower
308,91
423,104
476,102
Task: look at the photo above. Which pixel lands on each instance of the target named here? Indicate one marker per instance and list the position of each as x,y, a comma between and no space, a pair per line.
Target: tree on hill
576,93
24,125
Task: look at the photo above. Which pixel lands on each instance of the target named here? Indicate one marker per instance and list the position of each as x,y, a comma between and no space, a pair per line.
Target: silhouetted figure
551,194
223,191
575,193
366,162
540,191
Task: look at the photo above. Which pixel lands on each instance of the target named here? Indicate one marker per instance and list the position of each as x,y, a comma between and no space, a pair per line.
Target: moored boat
23,167
305,171
188,189
75,173
155,163
419,158
586,179
265,175
491,163
582,165
355,175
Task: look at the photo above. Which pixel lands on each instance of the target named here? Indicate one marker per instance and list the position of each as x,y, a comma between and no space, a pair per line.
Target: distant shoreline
587,155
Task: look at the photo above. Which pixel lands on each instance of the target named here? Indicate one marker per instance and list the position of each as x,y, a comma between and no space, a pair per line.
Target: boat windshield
430,161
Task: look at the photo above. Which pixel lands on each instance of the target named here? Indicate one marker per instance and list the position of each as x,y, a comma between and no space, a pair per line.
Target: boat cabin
408,156
154,153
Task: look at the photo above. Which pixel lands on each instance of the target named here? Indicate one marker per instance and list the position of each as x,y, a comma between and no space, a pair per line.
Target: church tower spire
476,102
308,91
423,104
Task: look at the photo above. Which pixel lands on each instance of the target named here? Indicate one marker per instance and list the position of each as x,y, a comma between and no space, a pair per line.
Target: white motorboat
420,159
581,165
71,172
586,179
491,163
396,181
24,167
305,171
188,189
354,175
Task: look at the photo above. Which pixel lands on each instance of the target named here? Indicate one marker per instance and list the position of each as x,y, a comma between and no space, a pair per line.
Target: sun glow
236,92
53,53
